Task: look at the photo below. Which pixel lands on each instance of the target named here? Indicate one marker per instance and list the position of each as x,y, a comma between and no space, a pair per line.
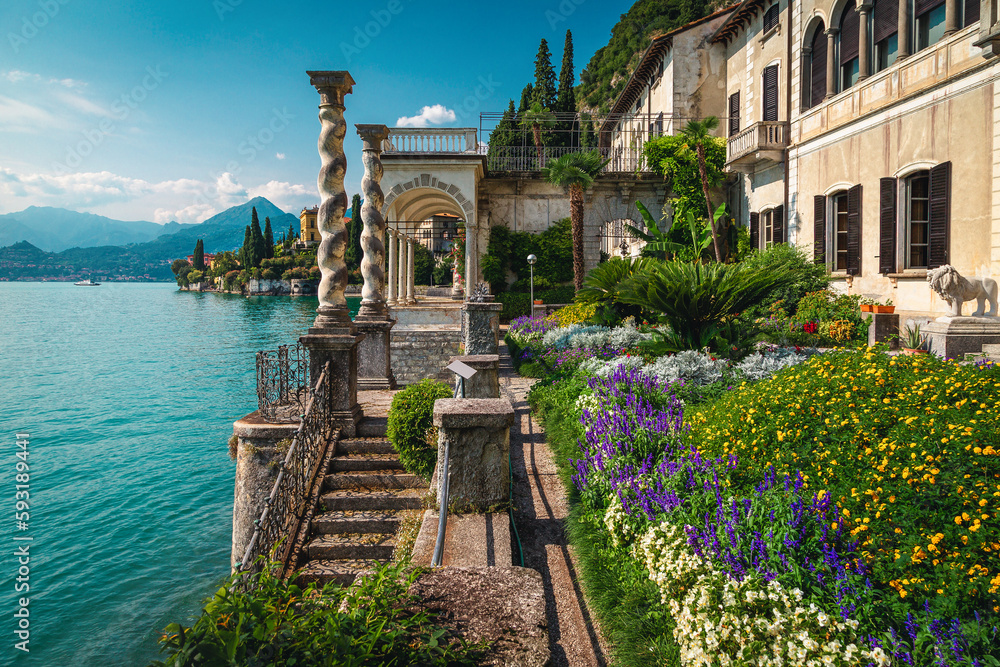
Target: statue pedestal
374,360
481,327
954,337
333,340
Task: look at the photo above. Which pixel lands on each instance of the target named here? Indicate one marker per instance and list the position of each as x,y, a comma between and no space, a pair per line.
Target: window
767,229
850,27
885,37
734,114
771,18
813,93
840,232
970,12
770,93
930,22
918,220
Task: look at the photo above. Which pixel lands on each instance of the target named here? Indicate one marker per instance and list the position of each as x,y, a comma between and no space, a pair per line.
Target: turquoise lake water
129,392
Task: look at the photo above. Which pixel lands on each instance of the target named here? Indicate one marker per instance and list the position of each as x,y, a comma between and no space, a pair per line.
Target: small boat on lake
87,283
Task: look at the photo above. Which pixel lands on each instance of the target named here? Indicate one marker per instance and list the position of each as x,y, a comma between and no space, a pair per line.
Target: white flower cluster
693,367
721,621
759,366
593,337
620,528
587,402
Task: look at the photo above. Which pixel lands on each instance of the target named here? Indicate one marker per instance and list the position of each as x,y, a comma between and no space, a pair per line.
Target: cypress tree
268,238
356,228
256,253
199,255
564,101
291,232
544,92
246,249
525,99
587,139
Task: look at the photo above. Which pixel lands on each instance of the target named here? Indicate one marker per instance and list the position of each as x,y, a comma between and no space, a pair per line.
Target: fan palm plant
697,133
575,171
538,118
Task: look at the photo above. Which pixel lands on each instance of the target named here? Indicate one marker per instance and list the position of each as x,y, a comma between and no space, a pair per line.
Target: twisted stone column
393,267
401,271
332,87
373,259
411,295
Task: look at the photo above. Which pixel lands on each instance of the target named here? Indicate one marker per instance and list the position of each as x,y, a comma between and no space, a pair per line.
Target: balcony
431,140
760,144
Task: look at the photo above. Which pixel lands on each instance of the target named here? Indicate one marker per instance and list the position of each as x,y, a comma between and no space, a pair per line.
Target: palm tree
538,118
575,171
697,133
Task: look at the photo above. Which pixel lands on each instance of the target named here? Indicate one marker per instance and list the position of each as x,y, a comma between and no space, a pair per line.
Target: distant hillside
27,261
56,229
605,76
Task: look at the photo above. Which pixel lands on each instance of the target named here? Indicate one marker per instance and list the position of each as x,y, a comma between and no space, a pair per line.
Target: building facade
308,231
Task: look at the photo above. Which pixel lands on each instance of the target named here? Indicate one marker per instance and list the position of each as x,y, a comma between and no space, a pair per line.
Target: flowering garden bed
833,509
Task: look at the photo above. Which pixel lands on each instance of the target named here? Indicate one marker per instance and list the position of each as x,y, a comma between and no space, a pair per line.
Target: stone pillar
486,382
332,339
258,460
903,33
864,48
831,62
950,16
374,360
411,275
401,271
481,323
393,266
477,433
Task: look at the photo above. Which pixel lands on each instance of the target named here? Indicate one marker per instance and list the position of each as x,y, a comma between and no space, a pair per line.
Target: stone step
342,572
365,462
349,546
365,446
356,521
373,427
991,350
372,500
372,479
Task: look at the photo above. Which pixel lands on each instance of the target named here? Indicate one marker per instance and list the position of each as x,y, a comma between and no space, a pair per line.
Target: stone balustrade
431,140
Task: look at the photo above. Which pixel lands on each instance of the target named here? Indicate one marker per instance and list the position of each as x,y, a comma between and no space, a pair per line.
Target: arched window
885,19
813,93
850,25
930,22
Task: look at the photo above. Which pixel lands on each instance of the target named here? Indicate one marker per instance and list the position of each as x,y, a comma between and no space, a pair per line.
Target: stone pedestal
260,448
374,358
477,432
337,345
486,382
481,327
883,327
954,337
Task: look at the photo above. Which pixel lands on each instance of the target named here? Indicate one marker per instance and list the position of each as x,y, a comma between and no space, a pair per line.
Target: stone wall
419,353
268,287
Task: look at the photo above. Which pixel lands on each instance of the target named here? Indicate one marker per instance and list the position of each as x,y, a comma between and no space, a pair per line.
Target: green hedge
517,304
410,418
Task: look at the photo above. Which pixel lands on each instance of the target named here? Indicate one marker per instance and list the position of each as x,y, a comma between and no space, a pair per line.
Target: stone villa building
866,132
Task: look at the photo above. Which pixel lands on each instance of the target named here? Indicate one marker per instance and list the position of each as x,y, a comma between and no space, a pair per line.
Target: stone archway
430,189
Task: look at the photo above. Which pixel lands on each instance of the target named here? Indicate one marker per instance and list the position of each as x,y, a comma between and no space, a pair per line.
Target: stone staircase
991,352
365,495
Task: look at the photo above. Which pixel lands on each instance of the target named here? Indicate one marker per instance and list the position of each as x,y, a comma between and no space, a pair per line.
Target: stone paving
541,508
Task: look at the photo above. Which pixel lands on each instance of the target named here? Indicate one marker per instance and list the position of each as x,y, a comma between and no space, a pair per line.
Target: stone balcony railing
761,142
431,140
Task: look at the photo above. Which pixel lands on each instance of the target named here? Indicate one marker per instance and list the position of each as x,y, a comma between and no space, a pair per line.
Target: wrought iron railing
282,378
292,494
529,158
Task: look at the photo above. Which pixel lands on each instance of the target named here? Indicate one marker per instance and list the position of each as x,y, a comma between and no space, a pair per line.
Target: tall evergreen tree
587,138
199,255
565,103
544,93
357,227
256,241
526,94
504,134
268,238
291,232
245,255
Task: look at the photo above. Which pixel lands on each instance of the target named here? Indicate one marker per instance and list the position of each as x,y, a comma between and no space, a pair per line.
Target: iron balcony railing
282,378
530,158
294,489
762,136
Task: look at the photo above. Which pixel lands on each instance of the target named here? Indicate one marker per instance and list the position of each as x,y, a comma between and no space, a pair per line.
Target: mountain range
94,245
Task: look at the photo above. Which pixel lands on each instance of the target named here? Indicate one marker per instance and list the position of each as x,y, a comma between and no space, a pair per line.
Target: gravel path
541,508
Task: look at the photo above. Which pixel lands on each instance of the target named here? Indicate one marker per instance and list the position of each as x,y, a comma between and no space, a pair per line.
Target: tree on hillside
246,250
179,264
354,251
257,253
544,90
575,171
223,263
268,239
697,134
290,236
199,255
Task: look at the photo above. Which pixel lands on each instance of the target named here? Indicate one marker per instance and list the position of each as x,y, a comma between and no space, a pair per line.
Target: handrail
282,377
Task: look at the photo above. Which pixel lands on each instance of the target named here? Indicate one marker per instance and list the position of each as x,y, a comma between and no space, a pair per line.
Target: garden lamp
531,264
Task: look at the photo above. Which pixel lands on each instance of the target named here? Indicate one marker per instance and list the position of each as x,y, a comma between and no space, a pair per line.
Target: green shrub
410,417
518,304
810,277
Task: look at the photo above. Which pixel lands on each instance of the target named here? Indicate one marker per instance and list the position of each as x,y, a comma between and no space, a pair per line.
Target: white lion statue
956,289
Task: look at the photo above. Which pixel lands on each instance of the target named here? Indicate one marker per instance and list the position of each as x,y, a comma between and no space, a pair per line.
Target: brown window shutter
940,209
755,230
886,19
734,114
778,221
971,12
887,225
817,67
771,93
854,231
921,7
850,27
771,17
819,229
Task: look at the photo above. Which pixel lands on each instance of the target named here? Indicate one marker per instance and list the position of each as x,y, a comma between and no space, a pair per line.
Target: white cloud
19,76
433,115
280,156
286,196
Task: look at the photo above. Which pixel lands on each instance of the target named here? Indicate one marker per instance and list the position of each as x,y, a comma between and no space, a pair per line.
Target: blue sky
176,110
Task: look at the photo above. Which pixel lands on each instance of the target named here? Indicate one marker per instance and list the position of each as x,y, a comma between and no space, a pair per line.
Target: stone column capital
832,32
865,7
332,86
373,136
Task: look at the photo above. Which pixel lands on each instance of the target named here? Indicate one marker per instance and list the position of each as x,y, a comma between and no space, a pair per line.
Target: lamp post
531,264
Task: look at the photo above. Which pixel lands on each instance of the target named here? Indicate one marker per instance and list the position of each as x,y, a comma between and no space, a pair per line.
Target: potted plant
538,302
866,305
887,307
913,341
